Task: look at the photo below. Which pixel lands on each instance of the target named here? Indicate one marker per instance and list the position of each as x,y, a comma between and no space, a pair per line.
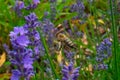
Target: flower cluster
69,55
18,37
19,5
78,7
27,47
47,28
33,5
103,52
35,42
70,73
53,9
20,56
45,15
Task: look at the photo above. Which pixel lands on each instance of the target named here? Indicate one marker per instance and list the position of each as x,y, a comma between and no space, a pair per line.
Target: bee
62,43
62,38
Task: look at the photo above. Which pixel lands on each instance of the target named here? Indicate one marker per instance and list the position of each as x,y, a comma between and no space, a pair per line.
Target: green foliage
98,10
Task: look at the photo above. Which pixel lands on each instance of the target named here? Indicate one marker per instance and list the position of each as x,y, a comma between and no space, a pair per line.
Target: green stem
114,34
47,53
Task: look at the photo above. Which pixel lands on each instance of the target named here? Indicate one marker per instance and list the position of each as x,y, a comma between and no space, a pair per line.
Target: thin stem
114,33
47,54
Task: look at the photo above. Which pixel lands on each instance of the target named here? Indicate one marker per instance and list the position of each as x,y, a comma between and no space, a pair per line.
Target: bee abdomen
70,43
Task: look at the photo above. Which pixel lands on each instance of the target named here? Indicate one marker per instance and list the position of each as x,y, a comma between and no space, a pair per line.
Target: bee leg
59,46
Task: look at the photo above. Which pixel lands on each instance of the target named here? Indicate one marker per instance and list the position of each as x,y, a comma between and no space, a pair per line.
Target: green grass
115,40
99,9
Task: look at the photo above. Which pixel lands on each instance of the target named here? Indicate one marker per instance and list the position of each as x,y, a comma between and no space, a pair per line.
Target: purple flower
20,56
78,7
32,21
69,55
16,74
17,31
36,1
33,5
77,32
101,66
70,73
19,5
23,61
18,37
31,17
46,13
53,9
22,40
35,41
47,28
104,51
45,16
27,61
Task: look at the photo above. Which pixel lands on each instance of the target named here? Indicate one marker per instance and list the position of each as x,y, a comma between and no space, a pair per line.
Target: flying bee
62,43
62,38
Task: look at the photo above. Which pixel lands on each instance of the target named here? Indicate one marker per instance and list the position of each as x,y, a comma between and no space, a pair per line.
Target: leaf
2,59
